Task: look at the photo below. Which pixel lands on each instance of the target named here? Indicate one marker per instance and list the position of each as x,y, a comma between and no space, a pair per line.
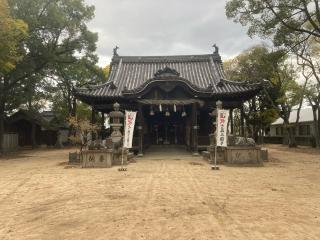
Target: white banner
222,127
130,118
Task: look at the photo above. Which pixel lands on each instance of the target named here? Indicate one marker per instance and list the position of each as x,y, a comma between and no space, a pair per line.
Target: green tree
12,33
280,20
259,63
58,35
308,58
67,77
293,25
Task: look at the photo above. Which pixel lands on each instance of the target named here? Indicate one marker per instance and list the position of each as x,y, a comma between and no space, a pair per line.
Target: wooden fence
10,142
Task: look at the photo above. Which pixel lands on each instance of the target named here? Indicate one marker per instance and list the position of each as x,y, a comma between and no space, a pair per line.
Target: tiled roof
129,72
306,115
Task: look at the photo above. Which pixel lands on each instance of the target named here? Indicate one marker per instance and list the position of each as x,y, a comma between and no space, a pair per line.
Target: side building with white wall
304,132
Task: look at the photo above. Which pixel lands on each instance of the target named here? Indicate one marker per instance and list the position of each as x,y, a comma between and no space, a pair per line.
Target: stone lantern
116,117
119,154
219,104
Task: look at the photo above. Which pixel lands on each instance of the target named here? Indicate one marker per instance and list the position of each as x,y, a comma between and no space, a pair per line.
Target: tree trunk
318,129
316,126
33,135
292,138
2,111
2,116
74,107
289,131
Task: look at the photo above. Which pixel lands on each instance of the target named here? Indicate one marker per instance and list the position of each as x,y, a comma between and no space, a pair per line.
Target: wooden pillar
93,121
93,115
231,121
102,125
241,121
195,128
102,120
140,130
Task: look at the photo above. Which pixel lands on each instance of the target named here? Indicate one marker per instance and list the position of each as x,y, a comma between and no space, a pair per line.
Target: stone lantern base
104,158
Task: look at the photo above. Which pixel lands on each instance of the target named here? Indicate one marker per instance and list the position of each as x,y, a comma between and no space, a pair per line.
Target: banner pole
122,157
215,157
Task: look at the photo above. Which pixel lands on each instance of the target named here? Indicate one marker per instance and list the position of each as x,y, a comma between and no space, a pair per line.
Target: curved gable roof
130,72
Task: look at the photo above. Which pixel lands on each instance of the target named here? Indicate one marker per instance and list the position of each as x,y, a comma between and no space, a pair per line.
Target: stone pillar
140,130
195,128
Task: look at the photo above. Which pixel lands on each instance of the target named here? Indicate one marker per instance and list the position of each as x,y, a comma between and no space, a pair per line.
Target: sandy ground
165,195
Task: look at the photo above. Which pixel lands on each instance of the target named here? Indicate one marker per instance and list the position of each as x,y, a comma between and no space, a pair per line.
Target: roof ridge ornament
220,83
167,72
216,48
115,51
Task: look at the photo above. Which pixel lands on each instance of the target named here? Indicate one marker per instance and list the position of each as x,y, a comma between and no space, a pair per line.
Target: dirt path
166,195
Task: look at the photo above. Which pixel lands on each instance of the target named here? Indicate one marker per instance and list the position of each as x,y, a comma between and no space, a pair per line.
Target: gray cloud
164,27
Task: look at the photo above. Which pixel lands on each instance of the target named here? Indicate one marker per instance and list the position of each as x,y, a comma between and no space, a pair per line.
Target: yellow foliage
82,128
12,32
106,71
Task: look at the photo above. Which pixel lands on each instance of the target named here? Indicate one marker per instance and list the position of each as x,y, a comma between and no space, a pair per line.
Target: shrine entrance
167,128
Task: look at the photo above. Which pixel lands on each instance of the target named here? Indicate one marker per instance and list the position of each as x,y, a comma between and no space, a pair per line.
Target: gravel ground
168,194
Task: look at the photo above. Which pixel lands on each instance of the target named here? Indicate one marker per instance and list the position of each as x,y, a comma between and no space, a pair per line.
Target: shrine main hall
173,95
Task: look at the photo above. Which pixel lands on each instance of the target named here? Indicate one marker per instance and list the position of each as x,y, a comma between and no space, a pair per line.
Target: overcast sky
166,27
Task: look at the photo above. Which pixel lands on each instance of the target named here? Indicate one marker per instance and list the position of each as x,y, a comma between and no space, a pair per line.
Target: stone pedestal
117,157
104,158
97,158
243,155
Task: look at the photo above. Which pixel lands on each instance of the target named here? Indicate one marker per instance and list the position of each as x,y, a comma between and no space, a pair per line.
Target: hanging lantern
151,111
183,114
167,114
